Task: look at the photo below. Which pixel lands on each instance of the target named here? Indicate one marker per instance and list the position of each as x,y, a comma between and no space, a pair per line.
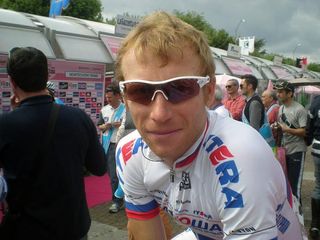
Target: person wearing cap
212,174
292,118
46,193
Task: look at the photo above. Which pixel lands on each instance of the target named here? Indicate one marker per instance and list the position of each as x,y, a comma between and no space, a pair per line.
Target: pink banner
77,84
5,87
281,72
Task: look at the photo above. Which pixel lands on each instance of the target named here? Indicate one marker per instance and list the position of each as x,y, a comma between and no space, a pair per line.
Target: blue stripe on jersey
120,179
118,159
201,237
142,208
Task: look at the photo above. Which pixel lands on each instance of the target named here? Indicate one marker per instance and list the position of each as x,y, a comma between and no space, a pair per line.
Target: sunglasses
174,90
229,86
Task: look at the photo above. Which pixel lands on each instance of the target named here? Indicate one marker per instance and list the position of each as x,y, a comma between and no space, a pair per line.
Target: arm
300,132
95,160
255,115
151,229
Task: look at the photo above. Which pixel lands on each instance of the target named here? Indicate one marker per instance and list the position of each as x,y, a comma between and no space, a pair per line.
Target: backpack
265,129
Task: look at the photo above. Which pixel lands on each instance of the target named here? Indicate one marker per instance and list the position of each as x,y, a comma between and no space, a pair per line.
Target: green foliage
314,67
111,21
38,7
85,9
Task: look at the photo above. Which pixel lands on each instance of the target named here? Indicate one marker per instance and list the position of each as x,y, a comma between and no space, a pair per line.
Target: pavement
113,226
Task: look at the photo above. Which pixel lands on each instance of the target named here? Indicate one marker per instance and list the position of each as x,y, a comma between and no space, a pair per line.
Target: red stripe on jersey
126,151
143,215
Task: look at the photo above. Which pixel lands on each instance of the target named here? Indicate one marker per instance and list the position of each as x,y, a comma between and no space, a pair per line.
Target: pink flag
270,85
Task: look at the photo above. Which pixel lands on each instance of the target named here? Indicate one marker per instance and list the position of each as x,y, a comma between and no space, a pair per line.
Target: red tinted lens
139,92
181,90
176,91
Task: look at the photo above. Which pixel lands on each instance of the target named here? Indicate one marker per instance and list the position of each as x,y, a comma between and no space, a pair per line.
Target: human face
112,99
244,87
169,129
283,96
231,87
266,99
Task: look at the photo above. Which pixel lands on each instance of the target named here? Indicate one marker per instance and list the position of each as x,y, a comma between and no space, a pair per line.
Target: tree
29,6
85,9
314,67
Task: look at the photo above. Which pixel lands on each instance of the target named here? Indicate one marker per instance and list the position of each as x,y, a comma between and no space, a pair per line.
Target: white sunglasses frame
202,81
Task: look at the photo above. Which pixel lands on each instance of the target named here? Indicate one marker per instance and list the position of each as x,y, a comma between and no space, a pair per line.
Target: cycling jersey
228,185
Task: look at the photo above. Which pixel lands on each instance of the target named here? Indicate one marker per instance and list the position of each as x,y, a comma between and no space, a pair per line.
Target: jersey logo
226,168
130,148
185,182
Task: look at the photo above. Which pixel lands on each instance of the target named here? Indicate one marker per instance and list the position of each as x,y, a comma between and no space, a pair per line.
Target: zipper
172,173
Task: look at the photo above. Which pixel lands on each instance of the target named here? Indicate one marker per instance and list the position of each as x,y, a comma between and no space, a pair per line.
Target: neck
288,102
21,95
115,105
234,95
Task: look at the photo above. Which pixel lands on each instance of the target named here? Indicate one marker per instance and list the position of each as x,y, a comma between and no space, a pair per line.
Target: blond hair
164,35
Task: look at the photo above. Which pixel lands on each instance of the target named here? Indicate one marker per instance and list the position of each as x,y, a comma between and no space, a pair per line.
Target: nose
161,109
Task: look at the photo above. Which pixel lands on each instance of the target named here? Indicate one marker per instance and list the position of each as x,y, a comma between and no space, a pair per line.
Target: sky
289,27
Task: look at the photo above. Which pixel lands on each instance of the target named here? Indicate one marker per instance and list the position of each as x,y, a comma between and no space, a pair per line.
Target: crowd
172,145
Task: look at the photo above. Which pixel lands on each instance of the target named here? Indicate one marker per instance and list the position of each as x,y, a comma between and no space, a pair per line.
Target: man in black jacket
46,194
253,112
313,138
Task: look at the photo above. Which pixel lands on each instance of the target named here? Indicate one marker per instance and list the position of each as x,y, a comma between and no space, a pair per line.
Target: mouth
162,133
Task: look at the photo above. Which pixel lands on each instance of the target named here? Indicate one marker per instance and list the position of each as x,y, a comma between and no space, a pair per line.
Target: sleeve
120,132
95,160
138,201
250,204
302,118
255,115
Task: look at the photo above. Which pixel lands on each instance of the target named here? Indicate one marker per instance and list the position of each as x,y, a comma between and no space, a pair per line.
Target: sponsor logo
202,214
185,182
226,169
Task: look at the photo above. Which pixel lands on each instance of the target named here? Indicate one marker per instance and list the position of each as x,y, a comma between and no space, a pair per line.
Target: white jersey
227,186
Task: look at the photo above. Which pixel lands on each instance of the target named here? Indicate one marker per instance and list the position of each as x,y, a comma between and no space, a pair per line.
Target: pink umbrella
222,80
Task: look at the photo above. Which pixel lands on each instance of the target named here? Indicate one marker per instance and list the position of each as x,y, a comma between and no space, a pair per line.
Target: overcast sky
284,24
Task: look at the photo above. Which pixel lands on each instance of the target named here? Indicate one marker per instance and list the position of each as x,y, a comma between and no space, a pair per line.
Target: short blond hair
164,34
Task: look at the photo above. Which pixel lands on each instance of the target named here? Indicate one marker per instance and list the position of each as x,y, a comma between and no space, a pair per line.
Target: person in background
269,100
218,106
313,139
51,90
234,102
292,119
109,122
253,112
186,160
46,192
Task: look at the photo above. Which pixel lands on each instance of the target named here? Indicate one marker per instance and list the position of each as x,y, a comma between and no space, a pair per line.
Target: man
292,118
313,137
235,101
109,122
182,158
269,100
46,195
217,106
253,112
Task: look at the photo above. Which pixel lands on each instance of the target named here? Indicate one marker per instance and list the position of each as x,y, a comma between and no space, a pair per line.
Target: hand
284,127
116,124
107,126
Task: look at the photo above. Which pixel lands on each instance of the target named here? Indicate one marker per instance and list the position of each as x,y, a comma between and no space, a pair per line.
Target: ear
210,91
